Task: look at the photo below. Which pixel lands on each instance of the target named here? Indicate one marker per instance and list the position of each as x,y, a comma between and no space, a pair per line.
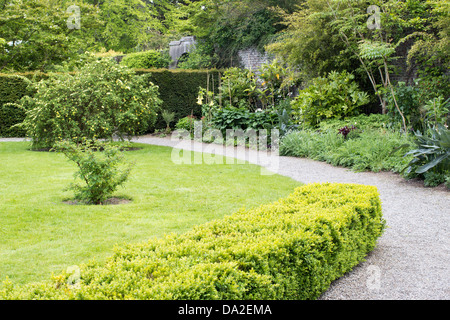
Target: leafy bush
336,96
422,104
242,118
186,123
408,102
291,249
239,89
101,168
146,60
434,179
102,100
12,89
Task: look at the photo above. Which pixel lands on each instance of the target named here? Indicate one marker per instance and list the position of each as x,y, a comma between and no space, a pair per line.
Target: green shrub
179,90
101,169
372,150
146,60
434,179
186,123
102,100
291,249
422,104
335,96
242,118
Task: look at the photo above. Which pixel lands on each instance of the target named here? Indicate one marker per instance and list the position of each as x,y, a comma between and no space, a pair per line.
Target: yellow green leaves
291,249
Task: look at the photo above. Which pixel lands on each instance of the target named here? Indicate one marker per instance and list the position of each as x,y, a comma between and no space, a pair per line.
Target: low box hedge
291,249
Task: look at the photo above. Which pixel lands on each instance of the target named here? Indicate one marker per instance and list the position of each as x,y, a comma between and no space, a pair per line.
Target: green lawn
40,234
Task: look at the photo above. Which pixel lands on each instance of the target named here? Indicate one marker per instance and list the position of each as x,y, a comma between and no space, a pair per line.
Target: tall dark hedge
12,88
177,88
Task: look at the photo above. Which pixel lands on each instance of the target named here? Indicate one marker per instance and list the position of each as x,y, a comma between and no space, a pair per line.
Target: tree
335,34
103,100
35,33
131,25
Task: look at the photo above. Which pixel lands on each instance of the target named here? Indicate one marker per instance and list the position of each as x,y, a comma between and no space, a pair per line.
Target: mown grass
40,234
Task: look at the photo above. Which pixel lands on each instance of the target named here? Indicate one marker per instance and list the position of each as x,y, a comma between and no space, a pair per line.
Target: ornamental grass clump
101,169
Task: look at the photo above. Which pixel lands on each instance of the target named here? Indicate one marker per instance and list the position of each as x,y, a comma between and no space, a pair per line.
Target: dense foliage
334,96
368,146
291,249
34,34
101,169
146,60
100,101
12,89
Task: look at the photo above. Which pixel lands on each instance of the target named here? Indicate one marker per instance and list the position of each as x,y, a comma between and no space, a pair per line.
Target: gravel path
411,261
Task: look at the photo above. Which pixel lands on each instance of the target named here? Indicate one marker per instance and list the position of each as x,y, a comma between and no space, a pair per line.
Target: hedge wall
291,249
12,88
178,89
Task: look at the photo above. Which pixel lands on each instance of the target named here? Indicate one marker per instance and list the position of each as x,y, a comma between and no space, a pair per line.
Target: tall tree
337,33
37,33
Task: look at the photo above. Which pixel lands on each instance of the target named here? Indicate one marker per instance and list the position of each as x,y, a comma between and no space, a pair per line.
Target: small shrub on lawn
291,249
101,168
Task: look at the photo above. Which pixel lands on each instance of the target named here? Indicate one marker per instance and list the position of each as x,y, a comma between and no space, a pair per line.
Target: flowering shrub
101,100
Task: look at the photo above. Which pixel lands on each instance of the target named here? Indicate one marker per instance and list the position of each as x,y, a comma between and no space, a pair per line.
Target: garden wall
178,89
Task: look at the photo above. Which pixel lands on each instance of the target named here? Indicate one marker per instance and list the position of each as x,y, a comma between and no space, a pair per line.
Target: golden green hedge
291,249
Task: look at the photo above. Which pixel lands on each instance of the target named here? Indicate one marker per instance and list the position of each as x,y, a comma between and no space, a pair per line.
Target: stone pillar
178,48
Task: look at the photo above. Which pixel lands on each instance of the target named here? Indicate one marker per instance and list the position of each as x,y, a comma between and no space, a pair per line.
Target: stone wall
179,48
252,59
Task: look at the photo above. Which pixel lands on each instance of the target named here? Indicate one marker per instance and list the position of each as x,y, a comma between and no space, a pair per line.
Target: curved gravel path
411,261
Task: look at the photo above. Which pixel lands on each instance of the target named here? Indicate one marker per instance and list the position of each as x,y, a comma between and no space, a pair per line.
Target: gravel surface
411,261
